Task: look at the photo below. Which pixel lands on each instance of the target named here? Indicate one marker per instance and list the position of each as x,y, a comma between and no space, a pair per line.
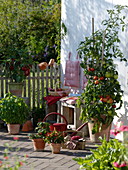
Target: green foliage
38,114
103,94
17,64
42,129
104,156
13,109
31,25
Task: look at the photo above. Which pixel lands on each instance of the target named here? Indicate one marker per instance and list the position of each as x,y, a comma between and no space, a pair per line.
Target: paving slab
43,160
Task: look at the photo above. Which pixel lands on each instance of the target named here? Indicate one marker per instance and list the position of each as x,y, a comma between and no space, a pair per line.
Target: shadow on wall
77,16
124,117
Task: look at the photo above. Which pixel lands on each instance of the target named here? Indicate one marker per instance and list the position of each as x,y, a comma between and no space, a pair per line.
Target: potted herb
14,111
55,139
39,137
102,96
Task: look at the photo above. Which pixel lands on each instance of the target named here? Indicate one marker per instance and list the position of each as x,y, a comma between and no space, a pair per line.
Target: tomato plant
103,93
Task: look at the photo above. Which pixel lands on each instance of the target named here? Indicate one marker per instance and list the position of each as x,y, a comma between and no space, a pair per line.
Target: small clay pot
43,65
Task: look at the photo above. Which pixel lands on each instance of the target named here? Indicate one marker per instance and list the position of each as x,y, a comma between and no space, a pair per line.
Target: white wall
77,16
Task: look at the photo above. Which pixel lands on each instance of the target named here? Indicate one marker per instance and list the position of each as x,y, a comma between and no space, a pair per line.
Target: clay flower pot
13,128
55,147
38,144
103,132
16,88
27,126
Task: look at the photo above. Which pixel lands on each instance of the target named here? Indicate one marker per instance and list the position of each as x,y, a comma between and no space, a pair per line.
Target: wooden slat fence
36,85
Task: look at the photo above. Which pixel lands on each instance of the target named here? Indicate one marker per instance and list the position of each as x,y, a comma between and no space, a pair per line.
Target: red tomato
101,78
27,72
96,82
110,100
24,68
113,106
89,69
95,77
105,99
92,69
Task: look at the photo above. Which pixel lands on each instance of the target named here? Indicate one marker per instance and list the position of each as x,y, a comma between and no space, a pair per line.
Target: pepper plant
103,93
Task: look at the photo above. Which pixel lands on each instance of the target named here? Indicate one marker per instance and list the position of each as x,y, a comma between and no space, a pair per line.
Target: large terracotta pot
104,132
38,144
16,89
13,128
55,147
27,126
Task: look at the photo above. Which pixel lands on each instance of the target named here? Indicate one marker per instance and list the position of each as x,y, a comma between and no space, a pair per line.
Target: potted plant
15,57
112,155
14,111
55,139
109,155
39,137
102,96
16,63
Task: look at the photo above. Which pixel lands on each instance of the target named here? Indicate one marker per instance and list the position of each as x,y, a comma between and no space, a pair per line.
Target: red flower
123,165
21,163
26,156
123,128
0,163
16,138
116,164
114,132
6,157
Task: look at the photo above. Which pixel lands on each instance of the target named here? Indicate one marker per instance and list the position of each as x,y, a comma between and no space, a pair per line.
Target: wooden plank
42,86
38,87
47,85
33,87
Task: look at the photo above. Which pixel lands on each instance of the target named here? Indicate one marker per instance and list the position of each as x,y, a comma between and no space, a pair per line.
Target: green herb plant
41,130
13,109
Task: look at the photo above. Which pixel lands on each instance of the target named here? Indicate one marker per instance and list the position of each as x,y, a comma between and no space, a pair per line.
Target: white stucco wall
77,16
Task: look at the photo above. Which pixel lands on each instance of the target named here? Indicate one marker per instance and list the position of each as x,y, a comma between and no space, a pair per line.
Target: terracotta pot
13,128
43,65
16,89
104,132
38,144
27,126
55,147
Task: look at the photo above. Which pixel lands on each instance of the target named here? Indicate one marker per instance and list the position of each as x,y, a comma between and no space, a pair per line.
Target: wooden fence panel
36,84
